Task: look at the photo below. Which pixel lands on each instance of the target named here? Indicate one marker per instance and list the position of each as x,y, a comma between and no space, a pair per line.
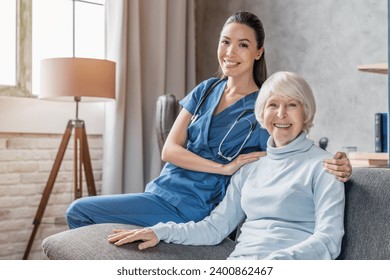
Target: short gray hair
291,85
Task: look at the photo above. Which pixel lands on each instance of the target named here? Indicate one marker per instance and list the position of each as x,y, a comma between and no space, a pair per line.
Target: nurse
210,140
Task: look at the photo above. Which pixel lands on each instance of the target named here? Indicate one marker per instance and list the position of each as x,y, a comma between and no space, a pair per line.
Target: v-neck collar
241,100
224,113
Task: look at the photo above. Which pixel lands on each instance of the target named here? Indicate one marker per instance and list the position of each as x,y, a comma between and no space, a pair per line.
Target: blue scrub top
194,193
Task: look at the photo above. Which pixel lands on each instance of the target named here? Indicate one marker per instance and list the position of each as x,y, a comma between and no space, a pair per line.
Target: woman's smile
279,125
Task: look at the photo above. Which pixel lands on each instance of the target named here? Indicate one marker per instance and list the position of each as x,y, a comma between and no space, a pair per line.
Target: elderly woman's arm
210,231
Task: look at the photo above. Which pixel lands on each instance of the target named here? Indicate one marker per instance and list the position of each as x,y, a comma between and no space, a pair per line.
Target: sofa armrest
90,243
367,215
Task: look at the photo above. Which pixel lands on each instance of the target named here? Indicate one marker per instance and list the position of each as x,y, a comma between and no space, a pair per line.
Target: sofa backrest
367,215
167,109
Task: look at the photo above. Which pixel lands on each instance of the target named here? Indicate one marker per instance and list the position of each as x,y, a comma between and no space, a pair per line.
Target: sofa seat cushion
90,243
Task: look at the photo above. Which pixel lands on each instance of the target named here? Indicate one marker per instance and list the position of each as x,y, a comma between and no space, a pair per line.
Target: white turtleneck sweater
293,208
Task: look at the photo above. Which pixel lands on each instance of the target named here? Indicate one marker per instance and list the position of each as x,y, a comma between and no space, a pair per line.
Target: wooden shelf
380,68
359,159
364,155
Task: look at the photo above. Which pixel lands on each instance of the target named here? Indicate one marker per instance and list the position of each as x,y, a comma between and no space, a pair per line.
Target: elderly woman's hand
339,166
123,236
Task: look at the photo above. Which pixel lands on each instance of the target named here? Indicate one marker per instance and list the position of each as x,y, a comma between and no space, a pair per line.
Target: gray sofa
367,230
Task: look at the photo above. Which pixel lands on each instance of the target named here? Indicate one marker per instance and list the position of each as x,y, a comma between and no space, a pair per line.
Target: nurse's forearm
186,159
175,152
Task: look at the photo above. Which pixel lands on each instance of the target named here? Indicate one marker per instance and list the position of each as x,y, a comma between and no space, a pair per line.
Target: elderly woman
293,208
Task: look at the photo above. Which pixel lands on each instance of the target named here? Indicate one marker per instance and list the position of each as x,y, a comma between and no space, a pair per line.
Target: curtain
153,45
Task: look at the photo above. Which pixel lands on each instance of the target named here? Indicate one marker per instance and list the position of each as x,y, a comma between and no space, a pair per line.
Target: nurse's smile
231,63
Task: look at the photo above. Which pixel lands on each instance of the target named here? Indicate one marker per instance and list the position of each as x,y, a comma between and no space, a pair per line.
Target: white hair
290,85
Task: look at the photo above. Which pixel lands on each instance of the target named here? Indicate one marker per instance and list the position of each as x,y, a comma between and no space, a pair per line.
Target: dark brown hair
260,72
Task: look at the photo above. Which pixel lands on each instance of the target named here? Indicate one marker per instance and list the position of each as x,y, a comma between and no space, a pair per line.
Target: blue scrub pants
142,209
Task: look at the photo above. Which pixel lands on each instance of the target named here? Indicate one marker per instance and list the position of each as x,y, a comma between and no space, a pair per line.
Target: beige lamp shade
86,79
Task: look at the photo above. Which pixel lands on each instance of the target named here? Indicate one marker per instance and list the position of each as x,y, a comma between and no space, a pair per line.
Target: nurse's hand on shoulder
340,166
238,162
124,236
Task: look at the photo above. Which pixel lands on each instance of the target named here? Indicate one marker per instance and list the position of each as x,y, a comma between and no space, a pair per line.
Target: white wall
31,115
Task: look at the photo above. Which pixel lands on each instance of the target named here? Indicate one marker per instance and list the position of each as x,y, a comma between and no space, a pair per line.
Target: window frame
23,52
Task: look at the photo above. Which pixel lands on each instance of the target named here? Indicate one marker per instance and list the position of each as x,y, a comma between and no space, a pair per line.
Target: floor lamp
73,79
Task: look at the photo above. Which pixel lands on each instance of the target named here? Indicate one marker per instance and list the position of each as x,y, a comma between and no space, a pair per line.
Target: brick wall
25,164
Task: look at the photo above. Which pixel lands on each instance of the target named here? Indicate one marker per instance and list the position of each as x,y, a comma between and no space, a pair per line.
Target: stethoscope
202,100
252,126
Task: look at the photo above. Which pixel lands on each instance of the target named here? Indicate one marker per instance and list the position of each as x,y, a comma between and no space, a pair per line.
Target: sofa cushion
367,215
90,243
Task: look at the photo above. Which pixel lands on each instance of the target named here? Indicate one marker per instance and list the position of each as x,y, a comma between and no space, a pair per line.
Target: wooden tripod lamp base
73,79
82,161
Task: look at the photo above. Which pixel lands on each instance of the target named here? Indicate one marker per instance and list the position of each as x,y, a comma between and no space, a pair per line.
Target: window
53,32
41,29
8,43
15,65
